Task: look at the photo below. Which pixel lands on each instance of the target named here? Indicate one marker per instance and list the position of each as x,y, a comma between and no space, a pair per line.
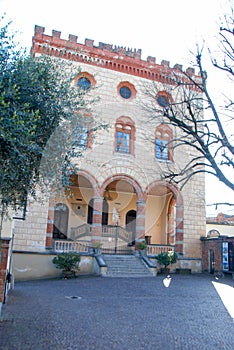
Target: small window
125,92
123,141
124,135
163,143
163,99
82,132
213,233
161,149
84,83
81,136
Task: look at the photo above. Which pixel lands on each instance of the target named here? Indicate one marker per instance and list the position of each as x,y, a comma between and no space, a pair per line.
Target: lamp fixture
107,195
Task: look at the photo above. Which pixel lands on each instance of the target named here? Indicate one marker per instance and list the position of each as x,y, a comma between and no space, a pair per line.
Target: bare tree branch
200,124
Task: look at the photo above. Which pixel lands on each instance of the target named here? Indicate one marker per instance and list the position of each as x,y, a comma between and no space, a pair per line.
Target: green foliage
141,245
97,245
167,258
67,261
40,107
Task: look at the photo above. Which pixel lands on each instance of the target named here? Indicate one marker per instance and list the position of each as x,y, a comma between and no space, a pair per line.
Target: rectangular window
161,149
81,136
122,142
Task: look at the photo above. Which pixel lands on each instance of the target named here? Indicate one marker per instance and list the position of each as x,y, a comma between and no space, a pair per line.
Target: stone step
125,266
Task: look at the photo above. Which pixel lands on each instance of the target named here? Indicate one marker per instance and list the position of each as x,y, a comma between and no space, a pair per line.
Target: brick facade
212,254
133,181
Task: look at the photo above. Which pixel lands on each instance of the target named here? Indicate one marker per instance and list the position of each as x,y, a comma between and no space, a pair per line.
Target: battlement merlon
116,52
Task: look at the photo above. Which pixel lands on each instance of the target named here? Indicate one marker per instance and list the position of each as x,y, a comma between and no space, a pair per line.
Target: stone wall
30,235
28,266
214,245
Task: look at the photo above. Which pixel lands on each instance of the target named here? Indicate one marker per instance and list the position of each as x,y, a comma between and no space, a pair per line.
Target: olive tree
40,108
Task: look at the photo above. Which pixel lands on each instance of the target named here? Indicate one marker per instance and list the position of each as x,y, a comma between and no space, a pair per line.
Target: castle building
119,195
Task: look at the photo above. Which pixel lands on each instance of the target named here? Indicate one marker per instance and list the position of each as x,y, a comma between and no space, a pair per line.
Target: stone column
140,220
171,235
179,229
97,218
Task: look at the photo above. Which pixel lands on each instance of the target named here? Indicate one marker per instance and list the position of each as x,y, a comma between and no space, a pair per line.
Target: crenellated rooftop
109,56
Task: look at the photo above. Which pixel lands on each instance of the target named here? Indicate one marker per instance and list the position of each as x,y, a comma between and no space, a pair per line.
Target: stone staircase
126,266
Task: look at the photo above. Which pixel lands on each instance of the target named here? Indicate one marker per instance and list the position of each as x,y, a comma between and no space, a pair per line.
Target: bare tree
203,124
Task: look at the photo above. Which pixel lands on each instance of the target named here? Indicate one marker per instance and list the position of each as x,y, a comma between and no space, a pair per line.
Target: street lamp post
115,218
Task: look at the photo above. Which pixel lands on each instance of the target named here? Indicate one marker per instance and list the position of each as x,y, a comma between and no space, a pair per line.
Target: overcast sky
165,29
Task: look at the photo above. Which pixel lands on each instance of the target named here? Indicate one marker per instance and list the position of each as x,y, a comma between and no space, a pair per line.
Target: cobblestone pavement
117,313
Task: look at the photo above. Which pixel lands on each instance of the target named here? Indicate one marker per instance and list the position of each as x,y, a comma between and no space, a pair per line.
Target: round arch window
84,83
163,99
125,92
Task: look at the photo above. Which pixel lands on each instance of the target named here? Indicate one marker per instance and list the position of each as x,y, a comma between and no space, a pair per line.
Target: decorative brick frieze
108,56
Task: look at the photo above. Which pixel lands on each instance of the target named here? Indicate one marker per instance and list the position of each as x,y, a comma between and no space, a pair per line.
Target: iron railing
116,231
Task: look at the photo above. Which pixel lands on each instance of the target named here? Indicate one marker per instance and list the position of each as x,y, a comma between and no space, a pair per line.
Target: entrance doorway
211,261
131,224
60,221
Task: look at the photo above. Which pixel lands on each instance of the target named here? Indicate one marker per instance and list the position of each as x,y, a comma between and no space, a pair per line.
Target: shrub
67,261
167,258
141,245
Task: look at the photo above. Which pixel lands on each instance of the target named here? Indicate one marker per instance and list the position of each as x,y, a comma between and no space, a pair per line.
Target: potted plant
141,247
97,247
68,263
167,258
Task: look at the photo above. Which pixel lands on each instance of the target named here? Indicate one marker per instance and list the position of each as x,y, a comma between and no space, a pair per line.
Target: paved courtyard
118,313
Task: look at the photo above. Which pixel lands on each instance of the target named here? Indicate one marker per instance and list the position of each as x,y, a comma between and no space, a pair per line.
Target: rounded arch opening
164,222
121,193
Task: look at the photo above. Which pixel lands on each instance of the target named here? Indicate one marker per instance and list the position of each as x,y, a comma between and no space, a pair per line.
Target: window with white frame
124,135
163,143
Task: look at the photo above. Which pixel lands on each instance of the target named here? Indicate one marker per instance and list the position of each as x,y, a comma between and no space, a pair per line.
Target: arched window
82,132
163,143
85,81
81,136
163,98
213,233
126,90
124,135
